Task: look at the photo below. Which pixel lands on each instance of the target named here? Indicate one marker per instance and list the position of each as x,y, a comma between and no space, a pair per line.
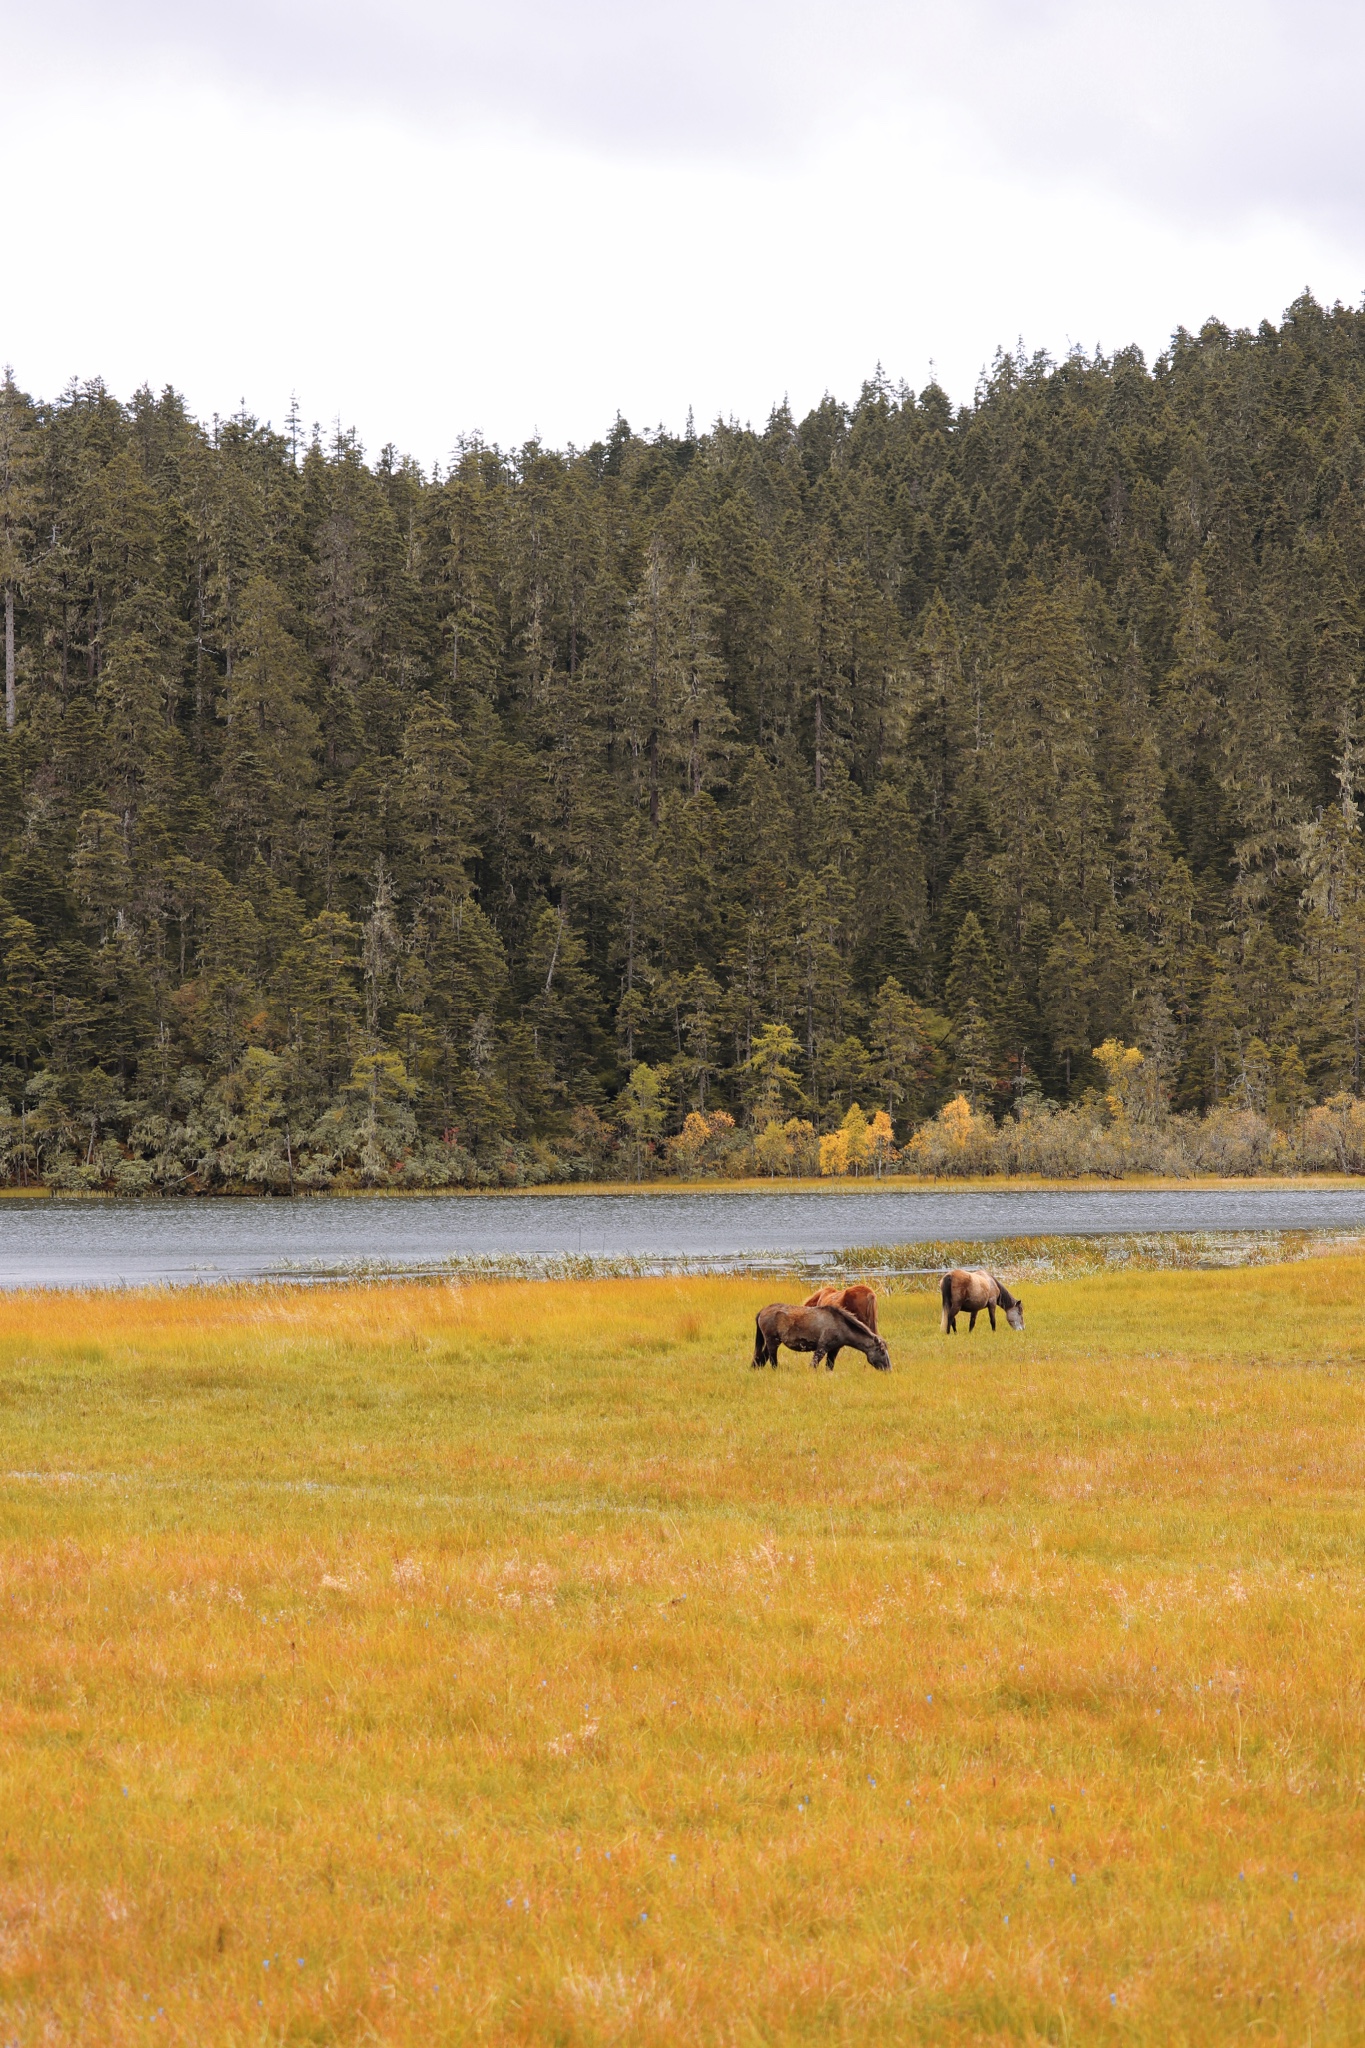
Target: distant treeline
359,825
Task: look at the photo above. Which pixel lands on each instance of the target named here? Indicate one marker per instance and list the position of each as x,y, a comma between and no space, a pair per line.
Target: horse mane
847,1316
1006,1298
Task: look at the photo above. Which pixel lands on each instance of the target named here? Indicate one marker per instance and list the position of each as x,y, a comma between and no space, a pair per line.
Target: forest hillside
726,801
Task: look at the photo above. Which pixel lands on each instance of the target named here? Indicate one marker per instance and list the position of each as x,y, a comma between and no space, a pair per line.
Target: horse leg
830,1357
972,1323
990,1311
950,1327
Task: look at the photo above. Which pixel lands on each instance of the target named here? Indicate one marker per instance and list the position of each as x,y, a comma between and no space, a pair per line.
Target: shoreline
980,1184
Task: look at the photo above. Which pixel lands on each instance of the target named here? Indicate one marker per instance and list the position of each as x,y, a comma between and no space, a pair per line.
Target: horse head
1014,1314
878,1354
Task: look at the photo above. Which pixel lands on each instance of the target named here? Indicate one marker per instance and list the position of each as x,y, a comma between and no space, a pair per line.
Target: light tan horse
974,1291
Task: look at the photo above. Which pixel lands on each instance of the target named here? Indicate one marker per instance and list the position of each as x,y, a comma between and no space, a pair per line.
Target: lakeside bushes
1044,1140
227,1146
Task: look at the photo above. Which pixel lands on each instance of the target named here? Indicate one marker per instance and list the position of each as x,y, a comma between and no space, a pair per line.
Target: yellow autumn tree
855,1129
772,1148
1124,1078
834,1153
957,1140
958,1119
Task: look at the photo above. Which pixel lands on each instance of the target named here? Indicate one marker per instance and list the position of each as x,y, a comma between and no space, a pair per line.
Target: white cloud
1225,103
433,219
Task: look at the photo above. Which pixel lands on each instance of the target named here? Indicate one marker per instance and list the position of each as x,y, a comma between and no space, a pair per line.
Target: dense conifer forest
567,813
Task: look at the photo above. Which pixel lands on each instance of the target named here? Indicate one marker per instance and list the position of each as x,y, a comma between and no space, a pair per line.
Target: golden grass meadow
511,1663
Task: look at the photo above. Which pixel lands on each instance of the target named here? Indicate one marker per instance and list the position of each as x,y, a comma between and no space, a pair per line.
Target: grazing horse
975,1291
825,1331
859,1301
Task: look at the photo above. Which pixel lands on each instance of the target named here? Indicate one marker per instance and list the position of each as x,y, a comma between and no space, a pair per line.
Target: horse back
969,1288
858,1301
797,1328
812,1328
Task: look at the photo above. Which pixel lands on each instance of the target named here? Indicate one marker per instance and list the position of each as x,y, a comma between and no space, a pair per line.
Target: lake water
45,1243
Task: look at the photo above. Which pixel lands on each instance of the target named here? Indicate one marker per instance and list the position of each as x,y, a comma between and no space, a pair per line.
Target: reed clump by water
507,1662
896,1267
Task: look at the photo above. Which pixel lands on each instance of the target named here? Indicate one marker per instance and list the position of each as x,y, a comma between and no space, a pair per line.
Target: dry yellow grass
512,1664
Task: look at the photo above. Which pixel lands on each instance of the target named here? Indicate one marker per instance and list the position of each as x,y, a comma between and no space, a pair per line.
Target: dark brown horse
860,1301
974,1291
825,1331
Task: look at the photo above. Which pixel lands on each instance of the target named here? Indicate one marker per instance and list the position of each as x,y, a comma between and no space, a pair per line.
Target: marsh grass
1034,1259
510,1663
891,1265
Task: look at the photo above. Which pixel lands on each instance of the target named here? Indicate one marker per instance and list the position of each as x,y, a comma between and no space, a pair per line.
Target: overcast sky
430,217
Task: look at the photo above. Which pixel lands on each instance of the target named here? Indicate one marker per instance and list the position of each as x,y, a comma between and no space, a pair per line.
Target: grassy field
512,1664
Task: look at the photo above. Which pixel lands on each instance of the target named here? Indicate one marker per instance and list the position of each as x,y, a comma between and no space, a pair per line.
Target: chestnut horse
825,1331
860,1301
974,1291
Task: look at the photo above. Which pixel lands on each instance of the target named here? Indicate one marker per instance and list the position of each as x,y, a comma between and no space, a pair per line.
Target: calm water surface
47,1243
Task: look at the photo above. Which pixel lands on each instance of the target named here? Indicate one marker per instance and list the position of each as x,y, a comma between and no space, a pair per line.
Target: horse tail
946,1295
759,1346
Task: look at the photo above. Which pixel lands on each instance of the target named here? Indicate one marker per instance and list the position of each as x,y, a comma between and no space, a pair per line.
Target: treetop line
734,801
